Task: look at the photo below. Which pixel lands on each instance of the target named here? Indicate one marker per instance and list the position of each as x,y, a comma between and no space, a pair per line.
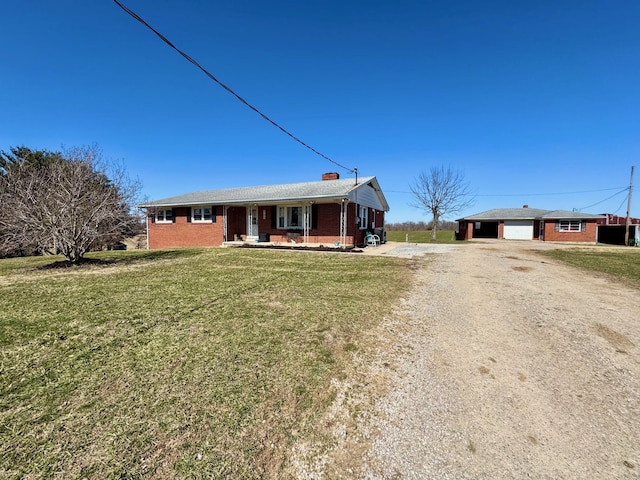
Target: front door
252,222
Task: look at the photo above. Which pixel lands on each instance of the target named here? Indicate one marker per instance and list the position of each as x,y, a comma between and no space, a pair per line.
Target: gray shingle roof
566,214
508,213
320,190
528,214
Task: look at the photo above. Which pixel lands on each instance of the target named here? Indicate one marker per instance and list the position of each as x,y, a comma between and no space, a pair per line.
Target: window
364,217
569,226
292,217
164,216
202,214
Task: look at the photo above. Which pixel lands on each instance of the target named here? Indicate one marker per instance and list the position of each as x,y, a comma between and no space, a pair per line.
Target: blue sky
531,100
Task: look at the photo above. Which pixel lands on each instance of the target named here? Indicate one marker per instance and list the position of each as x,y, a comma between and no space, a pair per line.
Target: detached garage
530,224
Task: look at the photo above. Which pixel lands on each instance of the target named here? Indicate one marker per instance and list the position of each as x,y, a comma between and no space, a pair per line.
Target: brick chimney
525,206
331,176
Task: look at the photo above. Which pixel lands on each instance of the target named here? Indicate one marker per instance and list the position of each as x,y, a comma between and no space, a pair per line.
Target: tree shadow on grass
111,259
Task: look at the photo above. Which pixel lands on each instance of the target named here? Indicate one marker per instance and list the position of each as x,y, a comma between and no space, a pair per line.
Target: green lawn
620,263
421,236
178,364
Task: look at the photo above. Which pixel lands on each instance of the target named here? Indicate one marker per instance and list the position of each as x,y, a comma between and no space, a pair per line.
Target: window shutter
557,226
214,211
583,226
189,214
173,215
314,216
274,217
153,218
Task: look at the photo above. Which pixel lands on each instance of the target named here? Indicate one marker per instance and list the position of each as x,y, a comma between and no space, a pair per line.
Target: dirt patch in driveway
504,365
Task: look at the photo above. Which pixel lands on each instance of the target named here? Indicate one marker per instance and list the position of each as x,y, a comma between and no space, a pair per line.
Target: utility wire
548,194
531,194
615,212
608,198
228,89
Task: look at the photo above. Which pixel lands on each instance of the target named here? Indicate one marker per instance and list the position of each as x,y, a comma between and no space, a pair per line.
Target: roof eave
246,201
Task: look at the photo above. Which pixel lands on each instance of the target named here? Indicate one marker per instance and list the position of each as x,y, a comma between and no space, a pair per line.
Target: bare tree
441,191
64,203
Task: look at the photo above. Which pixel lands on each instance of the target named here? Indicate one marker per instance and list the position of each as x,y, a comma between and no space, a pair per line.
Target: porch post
224,223
343,222
306,223
249,220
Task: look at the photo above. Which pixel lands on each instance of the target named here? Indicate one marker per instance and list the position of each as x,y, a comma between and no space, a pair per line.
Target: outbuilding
612,229
530,224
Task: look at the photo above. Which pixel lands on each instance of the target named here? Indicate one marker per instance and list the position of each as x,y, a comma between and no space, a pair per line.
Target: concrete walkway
409,250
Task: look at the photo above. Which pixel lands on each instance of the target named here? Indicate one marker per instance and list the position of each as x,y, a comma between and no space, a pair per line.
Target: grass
421,236
176,364
623,264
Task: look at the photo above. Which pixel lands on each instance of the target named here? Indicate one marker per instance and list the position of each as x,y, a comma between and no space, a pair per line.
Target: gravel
499,364
409,250
513,367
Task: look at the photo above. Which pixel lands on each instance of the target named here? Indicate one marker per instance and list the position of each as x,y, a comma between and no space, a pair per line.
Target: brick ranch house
530,224
331,212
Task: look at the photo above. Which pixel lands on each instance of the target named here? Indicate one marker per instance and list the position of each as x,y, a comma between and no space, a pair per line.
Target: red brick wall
550,234
327,223
194,234
184,234
463,231
466,230
379,217
236,222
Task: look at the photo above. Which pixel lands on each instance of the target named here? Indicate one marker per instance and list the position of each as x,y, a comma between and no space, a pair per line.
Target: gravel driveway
507,365
500,364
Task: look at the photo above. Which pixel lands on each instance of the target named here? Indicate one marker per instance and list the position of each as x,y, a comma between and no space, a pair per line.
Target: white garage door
518,229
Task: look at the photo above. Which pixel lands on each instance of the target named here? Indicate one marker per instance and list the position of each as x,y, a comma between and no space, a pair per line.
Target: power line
621,204
547,194
228,89
608,198
531,194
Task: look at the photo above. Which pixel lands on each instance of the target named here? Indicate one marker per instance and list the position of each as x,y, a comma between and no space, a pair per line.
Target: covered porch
309,224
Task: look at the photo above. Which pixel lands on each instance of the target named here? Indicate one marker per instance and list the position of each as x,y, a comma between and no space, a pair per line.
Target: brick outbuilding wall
589,235
549,234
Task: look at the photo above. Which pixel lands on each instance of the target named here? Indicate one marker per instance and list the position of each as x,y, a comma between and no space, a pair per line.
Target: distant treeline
416,226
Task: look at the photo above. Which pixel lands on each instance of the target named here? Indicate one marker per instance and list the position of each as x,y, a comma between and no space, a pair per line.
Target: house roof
569,215
366,192
528,214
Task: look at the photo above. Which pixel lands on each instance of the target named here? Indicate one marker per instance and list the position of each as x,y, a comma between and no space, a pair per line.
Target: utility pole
628,219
